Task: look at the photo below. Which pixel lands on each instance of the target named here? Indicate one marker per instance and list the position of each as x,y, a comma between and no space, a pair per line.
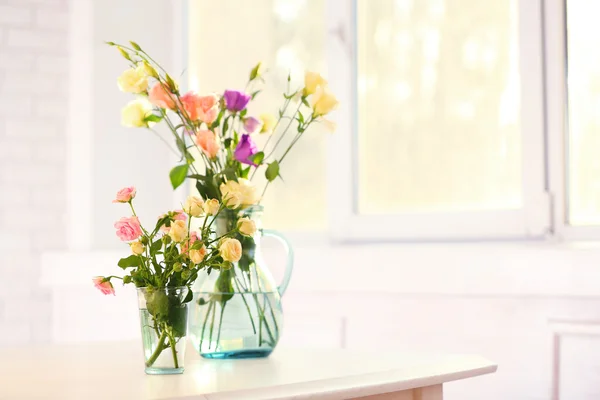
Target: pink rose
203,108
128,228
161,96
177,215
103,285
125,195
184,246
208,142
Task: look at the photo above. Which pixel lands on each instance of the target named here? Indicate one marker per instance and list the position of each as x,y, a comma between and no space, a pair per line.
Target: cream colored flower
268,123
323,102
249,192
198,255
211,206
312,81
137,248
178,231
134,113
240,193
133,80
194,206
231,250
246,226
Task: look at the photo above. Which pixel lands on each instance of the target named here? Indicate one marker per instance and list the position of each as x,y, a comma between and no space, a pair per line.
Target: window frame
532,221
557,122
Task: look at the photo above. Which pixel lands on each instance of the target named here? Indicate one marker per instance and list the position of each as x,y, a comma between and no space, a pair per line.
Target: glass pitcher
237,312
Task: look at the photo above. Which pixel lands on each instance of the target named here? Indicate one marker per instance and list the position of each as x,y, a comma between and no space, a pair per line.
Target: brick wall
33,111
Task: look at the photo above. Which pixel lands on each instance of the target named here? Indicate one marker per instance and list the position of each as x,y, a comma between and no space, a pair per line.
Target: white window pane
583,170
287,35
438,106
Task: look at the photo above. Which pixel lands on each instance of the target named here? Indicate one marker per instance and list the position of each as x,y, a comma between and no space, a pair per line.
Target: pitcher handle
290,258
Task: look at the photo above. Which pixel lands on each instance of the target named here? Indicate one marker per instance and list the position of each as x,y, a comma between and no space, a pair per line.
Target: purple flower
252,125
245,149
236,100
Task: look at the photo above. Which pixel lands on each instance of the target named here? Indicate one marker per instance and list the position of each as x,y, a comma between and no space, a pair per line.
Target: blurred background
456,208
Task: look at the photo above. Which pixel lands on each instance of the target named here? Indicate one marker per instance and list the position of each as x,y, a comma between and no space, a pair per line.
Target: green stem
246,304
268,301
159,348
212,324
210,306
220,325
284,132
173,350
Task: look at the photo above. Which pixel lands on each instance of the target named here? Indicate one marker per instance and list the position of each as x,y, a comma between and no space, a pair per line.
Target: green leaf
202,190
227,142
257,158
225,126
305,102
155,246
189,296
131,261
244,173
230,174
272,171
243,112
255,93
300,117
135,45
178,175
161,222
153,118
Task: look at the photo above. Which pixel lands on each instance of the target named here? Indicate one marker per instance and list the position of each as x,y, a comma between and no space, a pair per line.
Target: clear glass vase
237,312
163,320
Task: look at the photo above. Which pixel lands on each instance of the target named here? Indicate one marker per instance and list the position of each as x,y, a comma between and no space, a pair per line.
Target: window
583,180
453,120
444,124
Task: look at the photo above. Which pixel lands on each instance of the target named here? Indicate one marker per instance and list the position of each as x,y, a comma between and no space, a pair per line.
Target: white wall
104,155
33,109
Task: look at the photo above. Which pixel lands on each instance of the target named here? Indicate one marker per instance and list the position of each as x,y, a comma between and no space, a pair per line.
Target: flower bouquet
164,263
214,137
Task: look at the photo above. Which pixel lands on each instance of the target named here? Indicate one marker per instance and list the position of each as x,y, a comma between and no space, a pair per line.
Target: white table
115,371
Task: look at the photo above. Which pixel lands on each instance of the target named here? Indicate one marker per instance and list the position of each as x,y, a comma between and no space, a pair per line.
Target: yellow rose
232,200
268,123
323,102
249,192
198,255
137,248
246,226
133,80
134,113
312,81
178,231
231,250
211,206
240,193
193,206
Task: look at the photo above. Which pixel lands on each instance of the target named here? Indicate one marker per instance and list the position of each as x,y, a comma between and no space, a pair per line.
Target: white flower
134,113
133,80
